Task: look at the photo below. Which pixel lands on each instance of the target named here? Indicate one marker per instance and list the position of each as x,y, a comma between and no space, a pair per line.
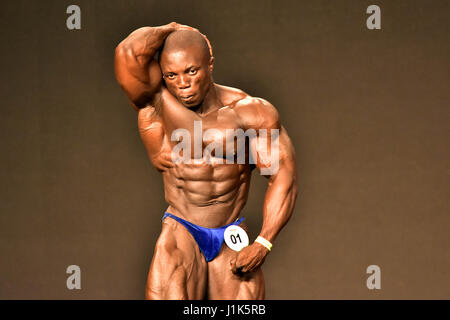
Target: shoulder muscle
257,113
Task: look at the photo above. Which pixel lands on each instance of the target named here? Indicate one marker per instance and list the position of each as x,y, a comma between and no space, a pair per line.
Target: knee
168,286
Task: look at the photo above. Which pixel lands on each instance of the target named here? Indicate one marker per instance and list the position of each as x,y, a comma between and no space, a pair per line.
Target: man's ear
211,64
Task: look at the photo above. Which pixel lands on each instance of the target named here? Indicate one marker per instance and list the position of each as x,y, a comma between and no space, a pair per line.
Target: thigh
225,285
178,269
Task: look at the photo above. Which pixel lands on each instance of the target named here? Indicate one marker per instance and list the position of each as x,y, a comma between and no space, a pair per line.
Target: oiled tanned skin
172,93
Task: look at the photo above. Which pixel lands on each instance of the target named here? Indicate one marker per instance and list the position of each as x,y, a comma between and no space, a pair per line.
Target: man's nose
183,82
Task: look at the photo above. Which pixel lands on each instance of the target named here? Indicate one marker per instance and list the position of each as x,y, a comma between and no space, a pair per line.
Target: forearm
144,42
278,203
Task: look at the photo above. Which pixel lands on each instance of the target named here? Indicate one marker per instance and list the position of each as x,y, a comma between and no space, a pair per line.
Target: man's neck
210,103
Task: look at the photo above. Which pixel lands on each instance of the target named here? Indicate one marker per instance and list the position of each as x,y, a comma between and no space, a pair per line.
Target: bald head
187,65
182,39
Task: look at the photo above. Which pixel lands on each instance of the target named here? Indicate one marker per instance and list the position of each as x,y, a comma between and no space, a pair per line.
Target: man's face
187,74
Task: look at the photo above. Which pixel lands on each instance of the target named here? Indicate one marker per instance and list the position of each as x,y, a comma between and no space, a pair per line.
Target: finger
185,27
257,263
242,266
167,164
246,268
233,264
237,267
166,161
236,270
251,266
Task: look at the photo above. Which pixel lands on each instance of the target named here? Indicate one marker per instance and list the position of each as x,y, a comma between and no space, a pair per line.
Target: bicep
261,120
140,81
287,153
275,154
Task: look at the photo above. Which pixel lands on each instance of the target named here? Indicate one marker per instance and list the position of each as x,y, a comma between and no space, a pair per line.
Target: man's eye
170,76
193,71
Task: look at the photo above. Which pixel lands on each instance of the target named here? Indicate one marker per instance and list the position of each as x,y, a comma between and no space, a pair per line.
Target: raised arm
137,72
280,169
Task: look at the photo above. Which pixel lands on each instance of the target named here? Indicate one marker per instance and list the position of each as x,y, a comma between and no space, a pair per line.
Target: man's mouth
187,98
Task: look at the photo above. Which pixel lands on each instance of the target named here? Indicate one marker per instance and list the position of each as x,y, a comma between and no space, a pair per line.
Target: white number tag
236,238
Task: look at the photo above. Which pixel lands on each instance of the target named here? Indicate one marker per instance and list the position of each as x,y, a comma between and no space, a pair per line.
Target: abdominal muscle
209,195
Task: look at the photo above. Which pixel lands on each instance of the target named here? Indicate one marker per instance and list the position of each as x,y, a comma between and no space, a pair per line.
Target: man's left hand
249,259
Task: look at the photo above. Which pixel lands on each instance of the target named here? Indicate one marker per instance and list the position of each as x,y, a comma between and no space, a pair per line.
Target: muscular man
175,90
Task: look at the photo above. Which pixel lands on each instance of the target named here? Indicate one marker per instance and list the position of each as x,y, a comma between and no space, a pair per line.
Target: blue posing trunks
209,240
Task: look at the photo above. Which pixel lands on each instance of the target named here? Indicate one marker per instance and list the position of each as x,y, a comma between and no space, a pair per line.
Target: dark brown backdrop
368,112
